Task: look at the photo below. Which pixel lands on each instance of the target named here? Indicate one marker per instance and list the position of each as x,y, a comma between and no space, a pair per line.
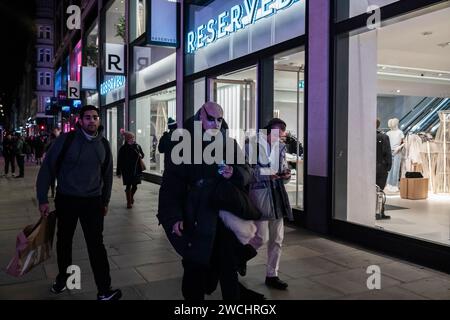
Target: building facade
328,68
44,53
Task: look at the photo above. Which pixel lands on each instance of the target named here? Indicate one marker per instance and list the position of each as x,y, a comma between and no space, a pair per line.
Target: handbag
261,196
142,164
33,246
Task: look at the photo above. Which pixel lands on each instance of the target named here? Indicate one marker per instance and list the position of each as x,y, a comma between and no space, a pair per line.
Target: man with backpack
81,161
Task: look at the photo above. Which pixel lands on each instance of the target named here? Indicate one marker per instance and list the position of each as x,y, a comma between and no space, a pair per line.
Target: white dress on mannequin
396,138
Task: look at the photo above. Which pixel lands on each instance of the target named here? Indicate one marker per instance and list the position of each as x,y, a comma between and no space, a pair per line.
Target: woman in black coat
129,166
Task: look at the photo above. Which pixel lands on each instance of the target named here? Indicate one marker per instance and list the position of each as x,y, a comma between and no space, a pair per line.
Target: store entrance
114,125
237,98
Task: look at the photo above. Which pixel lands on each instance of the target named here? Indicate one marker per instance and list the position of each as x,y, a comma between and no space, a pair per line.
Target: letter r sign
115,58
73,90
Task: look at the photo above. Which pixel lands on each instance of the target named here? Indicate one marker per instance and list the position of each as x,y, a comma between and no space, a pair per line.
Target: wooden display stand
414,189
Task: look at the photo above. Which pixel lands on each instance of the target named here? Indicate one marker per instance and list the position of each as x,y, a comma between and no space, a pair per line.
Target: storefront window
149,116
225,30
400,75
91,48
289,86
351,8
75,63
112,87
91,60
115,23
137,18
152,67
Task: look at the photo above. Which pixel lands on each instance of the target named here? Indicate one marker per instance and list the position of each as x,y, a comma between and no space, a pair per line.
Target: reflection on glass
152,67
137,16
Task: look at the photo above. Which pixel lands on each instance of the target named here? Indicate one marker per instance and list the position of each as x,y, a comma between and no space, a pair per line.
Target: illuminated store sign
230,21
112,84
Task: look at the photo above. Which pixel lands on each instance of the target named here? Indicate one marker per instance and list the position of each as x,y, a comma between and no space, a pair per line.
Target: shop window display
400,75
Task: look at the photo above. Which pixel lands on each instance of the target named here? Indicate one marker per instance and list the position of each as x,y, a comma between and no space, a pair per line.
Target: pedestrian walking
20,156
81,161
9,154
188,210
129,166
267,189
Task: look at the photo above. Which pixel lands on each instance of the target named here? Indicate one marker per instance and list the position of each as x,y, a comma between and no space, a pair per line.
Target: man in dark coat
166,144
384,157
188,210
129,166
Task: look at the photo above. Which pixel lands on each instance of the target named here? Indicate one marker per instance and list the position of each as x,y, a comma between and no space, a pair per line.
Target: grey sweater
80,174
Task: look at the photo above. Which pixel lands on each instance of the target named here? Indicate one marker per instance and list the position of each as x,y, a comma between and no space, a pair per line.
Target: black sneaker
110,295
58,287
276,283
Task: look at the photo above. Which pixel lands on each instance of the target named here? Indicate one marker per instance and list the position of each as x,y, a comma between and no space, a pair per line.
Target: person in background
20,156
9,154
129,166
166,144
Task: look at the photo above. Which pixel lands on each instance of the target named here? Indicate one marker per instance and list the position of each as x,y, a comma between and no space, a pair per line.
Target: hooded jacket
80,174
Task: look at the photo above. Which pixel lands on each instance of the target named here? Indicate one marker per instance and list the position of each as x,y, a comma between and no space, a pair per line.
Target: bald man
189,212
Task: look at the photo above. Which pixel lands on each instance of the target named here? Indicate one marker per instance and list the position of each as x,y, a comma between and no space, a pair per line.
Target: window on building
48,55
137,15
91,48
41,78
115,23
392,111
40,32
48,78
152,67
148,120
48,32
40,55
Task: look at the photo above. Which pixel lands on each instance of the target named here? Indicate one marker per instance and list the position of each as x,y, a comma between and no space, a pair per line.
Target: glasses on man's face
89,118
210,118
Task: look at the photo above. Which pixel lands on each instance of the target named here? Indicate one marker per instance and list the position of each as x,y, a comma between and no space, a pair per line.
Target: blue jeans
394,174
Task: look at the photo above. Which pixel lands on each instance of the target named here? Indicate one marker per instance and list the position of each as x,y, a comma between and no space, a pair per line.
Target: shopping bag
33,246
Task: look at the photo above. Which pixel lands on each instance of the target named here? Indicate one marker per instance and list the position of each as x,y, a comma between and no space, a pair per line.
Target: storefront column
318,193
180,69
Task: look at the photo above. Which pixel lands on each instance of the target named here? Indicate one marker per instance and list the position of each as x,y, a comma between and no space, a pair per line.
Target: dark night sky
16,30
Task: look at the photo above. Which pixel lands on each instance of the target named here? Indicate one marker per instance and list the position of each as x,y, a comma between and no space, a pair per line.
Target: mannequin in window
396,138
384,157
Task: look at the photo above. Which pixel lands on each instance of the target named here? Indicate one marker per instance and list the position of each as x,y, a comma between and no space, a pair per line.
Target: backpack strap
69,139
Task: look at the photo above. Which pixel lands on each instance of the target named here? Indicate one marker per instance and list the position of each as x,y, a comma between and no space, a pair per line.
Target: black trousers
199,280
9,160
89,211
381,179
21,163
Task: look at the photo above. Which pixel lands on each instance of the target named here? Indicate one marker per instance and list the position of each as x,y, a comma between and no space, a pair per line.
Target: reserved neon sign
112,84
230,21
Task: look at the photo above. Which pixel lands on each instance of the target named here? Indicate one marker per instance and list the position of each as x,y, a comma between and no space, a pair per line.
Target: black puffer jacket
188,194
128,163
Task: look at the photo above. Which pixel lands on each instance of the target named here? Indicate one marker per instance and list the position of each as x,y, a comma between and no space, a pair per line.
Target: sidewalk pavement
145,266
